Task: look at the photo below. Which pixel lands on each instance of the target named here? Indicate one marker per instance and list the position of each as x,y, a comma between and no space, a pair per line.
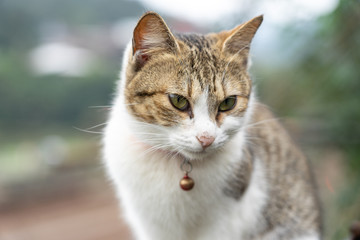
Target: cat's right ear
151,36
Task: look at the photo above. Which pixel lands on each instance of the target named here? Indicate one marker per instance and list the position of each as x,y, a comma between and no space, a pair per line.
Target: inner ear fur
240,37
151,34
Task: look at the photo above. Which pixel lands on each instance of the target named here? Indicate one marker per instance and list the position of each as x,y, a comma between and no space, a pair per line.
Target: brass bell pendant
186,183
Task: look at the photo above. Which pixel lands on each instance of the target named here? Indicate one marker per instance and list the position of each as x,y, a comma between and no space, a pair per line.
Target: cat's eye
228,104
179,102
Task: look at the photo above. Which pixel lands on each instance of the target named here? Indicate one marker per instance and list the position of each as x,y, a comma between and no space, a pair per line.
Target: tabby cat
186,111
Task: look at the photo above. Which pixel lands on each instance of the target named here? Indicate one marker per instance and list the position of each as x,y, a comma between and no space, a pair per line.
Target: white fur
313,236
156,207
139,159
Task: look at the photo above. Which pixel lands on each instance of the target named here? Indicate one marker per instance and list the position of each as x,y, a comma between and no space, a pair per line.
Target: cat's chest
148,186
155,176
153,196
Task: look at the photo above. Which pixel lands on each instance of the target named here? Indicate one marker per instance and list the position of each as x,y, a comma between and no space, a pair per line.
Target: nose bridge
203,123
206,104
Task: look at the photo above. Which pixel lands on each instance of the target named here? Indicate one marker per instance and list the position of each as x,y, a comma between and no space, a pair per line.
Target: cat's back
292,196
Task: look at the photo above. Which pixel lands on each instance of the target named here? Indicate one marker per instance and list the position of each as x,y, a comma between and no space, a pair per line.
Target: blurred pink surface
87,216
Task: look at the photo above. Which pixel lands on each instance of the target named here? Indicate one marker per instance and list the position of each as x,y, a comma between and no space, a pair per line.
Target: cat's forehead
200,64
200,50
206,70
196,41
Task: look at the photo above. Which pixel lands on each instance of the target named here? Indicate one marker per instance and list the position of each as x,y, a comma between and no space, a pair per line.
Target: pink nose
205,141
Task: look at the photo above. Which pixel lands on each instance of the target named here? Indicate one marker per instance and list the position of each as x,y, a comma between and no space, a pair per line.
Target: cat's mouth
188,153
195,155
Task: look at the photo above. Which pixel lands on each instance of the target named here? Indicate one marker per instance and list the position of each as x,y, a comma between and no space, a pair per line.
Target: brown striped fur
292,198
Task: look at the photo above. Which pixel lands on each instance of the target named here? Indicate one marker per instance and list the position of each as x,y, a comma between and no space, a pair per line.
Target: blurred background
58,64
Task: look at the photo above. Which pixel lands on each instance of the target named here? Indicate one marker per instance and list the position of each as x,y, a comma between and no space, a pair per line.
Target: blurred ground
90,213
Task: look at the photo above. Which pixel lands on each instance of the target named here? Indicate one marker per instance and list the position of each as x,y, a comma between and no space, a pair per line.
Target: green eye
227,104
179,102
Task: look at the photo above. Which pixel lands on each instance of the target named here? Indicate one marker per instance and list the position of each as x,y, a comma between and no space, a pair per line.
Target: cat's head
188,94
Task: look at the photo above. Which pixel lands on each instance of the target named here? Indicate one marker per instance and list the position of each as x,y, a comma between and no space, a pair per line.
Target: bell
187,183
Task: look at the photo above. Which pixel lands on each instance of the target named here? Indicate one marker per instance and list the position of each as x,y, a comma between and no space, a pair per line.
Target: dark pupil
178,101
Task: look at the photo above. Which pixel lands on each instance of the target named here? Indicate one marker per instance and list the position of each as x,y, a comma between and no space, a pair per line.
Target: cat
186,111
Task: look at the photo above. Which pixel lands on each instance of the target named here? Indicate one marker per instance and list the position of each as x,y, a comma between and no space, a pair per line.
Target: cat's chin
193,156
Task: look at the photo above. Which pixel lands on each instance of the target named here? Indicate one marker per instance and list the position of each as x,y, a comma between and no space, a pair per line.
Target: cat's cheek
186,124
226,120
232,124
234,117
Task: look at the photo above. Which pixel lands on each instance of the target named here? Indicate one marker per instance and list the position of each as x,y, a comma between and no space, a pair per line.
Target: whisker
150,144
98,125
155,148
147,132
261,122
87,131
109,107
131,104
154,140
147,125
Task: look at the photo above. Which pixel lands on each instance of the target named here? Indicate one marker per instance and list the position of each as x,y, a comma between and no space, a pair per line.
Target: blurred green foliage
28,100
322,89
322,82
333,62
31,101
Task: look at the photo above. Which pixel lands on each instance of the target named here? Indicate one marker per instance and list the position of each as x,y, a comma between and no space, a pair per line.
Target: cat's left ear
152,36
239,39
